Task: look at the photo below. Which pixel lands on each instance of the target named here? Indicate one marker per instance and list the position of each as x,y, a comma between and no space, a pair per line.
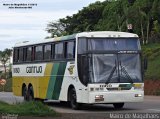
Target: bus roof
106,34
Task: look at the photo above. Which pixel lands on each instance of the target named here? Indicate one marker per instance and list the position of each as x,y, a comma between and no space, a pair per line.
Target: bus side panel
44,82
18,81
17,85
55,82
68,79
71,78
38,81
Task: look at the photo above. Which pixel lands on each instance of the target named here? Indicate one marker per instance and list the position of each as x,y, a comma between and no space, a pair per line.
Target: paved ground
10,98
151,104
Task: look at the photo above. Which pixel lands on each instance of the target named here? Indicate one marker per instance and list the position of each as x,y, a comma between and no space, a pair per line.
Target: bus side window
21,55
70,50
47,52
53,51
33,54
16,55
39,53
24,54
59,51
29,54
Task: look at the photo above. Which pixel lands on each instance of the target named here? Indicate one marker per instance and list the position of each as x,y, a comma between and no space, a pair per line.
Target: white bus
88,67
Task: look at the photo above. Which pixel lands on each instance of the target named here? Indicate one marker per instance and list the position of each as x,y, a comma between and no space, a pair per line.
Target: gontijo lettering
34,69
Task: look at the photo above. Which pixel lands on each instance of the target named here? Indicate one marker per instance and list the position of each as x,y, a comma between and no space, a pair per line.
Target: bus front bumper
116,96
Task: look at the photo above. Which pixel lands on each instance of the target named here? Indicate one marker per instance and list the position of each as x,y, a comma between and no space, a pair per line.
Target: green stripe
59,80
69,37
52,80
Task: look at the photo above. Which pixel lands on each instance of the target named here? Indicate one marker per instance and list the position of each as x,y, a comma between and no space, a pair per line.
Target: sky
17,25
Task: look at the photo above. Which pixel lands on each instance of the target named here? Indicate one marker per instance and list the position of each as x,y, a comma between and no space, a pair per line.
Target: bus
100,67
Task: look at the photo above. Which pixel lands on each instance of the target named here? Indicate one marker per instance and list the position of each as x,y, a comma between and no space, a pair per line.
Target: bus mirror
145,63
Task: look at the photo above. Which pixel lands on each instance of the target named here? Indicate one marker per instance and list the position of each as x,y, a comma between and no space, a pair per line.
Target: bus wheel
24,93
30,94
118,105
73,99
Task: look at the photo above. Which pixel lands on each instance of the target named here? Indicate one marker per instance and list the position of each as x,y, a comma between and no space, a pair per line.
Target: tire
73,99
24,93
118,105
30,94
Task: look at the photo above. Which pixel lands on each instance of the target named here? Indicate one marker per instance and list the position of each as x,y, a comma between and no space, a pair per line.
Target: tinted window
38,53
16,55
59,51
102,44
82,45
47,52
29,54
70,50
20,54
24,54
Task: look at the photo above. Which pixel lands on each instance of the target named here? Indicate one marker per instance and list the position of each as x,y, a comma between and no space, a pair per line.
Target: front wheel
73,99
118,105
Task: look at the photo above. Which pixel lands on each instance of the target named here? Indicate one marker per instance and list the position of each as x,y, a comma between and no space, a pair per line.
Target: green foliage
84,20
152,53
4,58
114,15
27,109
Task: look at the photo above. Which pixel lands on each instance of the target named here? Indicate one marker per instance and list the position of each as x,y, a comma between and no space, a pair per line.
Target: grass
27,109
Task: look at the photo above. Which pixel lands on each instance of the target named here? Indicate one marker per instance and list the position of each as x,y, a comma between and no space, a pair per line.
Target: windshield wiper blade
125,72
111,74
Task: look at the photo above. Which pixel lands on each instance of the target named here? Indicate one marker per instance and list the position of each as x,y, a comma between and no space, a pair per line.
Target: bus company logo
70,69
34,69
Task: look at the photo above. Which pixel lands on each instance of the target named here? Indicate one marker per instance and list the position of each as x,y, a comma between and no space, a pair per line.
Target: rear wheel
73,99
24,93
30,94
118,105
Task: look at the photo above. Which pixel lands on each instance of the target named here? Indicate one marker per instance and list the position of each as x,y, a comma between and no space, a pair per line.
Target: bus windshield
115,68
109,60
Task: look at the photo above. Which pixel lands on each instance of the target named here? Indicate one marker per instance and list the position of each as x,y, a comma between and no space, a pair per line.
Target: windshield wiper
111,74
126,73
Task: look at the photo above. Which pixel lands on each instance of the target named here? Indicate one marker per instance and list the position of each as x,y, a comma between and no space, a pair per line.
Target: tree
84,20
115,15
5,57
56,28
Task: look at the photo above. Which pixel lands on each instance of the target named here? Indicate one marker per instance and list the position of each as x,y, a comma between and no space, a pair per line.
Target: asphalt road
151,104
